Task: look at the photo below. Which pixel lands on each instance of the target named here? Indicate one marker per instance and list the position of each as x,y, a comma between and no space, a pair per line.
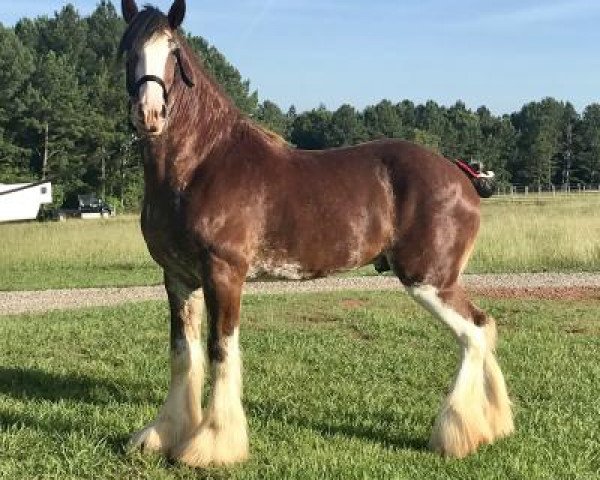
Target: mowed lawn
337,385
527,235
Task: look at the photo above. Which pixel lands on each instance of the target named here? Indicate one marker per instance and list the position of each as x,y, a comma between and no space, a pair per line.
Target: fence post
527,190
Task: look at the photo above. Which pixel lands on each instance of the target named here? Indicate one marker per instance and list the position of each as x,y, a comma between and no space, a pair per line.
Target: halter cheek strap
184,74
149,78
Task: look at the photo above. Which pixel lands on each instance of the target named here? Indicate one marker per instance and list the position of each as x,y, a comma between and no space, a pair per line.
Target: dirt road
539,285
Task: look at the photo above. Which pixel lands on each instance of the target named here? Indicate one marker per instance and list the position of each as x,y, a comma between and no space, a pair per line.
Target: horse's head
155,63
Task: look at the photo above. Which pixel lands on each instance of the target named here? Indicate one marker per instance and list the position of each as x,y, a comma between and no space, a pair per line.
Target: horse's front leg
222,437
181,414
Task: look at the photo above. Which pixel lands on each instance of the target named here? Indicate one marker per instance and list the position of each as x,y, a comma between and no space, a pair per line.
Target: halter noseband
134,92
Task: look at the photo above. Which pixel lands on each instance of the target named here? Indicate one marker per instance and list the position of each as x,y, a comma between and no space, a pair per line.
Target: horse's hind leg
477,409
181,412
498,412
222,437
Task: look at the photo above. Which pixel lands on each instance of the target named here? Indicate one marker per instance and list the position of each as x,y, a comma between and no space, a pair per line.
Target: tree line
63,114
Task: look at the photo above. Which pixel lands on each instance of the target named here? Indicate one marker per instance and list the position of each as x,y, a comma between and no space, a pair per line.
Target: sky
501,54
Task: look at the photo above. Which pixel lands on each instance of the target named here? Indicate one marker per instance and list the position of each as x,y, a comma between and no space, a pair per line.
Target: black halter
135,90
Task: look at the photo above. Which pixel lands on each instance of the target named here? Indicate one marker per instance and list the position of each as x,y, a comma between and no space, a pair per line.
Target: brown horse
226,200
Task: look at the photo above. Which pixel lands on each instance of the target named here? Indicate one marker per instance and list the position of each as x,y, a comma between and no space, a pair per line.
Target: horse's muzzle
149,121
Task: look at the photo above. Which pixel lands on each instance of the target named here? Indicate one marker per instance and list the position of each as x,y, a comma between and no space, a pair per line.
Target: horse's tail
484,183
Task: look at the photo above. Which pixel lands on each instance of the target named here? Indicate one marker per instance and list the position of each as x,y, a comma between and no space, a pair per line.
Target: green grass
529,235
539,235
333,389
76,253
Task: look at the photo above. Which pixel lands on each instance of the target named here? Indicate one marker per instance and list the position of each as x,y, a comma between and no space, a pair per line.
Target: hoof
500,421
151,439
457,435
213,446
498,408
158,437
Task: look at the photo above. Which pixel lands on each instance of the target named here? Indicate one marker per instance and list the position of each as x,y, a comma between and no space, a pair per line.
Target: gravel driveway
42,301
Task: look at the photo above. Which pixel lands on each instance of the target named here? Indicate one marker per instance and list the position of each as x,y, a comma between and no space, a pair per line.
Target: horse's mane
270,134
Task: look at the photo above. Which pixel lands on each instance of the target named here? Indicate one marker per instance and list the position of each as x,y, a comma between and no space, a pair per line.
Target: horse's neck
202,124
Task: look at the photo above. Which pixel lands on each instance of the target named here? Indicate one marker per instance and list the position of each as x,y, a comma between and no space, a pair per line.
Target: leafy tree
498,143
463,136
423,137
309,129
55,102
16,65
587,134
345,128
541,126
431,118
66,34
271,116
104,30
383,121
407,114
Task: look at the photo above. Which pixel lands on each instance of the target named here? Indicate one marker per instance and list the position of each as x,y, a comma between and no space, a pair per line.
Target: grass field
517,236
77,253
336,386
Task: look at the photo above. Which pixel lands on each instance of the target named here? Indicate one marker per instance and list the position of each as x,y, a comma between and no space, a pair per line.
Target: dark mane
147,23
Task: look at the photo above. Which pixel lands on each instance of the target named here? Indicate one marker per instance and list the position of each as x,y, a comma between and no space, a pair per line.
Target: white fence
547,190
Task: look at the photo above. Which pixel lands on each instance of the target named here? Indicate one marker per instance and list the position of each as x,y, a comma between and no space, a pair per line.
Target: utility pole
103,177
45,154
568,156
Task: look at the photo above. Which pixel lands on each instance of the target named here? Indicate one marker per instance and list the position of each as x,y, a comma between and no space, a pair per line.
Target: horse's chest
167,240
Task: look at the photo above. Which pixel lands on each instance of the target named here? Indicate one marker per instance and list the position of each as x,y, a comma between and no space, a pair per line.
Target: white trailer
22,201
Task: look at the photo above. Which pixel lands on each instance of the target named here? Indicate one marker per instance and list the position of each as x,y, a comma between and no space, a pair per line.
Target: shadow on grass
402,441
63,425
30,383
35,384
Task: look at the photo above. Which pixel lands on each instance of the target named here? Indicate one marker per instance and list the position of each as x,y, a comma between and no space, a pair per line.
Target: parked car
90,203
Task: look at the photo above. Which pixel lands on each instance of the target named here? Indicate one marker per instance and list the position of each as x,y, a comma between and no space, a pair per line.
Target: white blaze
153,60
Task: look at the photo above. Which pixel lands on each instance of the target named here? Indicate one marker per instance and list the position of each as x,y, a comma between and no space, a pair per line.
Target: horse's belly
277,268
314,256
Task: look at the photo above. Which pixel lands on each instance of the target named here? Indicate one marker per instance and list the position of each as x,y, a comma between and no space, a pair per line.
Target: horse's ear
176,14
129,9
